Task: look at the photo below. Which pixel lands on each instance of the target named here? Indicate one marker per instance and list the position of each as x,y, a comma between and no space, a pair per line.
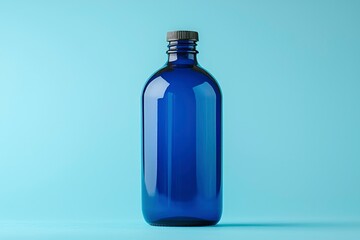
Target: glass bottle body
181,144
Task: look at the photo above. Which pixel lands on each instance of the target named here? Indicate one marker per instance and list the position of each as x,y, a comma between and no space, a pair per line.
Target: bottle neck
182,52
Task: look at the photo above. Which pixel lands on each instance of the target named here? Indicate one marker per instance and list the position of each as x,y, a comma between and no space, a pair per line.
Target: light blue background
71,76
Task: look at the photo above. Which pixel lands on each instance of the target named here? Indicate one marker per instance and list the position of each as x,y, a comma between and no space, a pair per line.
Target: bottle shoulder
175,78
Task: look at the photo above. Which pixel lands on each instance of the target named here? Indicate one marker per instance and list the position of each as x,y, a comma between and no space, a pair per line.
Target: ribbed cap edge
182,35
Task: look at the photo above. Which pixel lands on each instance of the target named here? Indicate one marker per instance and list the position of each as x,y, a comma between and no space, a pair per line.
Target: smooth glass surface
182,143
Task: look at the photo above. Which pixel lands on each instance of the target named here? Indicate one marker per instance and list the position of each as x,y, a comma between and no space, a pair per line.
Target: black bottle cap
182,35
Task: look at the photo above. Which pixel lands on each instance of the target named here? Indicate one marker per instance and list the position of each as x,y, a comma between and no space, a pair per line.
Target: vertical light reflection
154,91
170,97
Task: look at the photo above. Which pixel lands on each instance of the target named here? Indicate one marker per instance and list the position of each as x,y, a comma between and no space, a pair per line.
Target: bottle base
182,222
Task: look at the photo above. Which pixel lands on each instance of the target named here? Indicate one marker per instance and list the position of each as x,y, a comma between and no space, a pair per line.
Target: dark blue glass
181,151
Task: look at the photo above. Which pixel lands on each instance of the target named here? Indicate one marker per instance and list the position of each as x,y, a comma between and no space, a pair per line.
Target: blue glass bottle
181,144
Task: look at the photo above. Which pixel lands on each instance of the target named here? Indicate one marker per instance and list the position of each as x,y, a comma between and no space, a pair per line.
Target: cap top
182,35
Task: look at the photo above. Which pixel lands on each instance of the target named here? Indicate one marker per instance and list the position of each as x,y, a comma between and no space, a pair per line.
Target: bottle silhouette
181,140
